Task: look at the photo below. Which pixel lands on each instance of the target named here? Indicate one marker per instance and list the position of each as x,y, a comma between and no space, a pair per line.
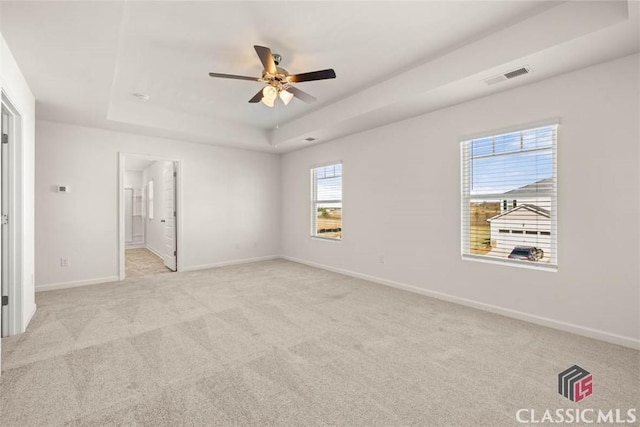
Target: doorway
149,215
11,223
4,227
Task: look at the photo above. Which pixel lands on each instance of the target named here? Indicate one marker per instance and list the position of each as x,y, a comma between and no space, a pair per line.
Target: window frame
314,201
467,198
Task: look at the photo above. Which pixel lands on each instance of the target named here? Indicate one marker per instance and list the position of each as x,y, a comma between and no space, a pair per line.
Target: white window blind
326,201
509,197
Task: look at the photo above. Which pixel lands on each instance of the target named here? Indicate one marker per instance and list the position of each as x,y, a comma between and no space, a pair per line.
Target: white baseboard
158,254
135,246
538,320
23,323
65,285
227,263
75,284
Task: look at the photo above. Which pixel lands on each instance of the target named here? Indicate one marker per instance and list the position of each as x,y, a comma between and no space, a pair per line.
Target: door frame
172,214
15,214
178,202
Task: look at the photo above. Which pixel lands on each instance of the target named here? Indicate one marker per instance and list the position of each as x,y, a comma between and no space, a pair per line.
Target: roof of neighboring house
532,208
544,185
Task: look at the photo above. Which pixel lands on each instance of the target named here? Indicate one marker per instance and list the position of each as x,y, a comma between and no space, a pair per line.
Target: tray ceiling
85,60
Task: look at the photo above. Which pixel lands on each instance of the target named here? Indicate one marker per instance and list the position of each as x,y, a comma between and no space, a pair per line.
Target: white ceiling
135,164
393,60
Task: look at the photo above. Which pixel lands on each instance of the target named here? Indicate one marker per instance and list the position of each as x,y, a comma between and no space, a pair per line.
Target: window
509,183
326,201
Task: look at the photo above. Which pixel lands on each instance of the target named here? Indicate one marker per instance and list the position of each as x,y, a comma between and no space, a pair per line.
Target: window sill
325,239
512,263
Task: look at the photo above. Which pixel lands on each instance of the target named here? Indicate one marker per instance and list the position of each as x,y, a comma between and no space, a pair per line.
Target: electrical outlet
64,262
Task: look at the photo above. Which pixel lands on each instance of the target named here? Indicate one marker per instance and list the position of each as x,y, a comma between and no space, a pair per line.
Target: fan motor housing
278,80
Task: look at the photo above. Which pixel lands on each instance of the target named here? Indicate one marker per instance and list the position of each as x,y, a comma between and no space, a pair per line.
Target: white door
169,215
4,235
3,269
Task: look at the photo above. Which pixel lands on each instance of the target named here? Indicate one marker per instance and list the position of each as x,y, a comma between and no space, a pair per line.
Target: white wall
155,230
14,86
133,179
231,202
402,202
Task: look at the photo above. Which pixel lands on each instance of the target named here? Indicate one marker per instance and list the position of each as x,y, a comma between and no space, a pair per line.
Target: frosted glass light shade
269,95
286,96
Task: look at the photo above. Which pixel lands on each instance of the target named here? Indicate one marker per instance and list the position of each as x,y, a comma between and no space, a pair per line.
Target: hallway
142,262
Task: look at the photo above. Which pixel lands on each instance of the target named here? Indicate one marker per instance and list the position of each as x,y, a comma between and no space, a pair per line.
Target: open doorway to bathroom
5,131
149,216
12,286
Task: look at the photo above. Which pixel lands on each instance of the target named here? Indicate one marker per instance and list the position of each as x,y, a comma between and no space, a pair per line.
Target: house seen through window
326,201
509,197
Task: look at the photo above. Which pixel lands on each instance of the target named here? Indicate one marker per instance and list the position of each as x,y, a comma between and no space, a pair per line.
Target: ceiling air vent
516,73
507,76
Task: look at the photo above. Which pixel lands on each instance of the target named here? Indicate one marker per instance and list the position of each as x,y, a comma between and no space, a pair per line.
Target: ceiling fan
279,82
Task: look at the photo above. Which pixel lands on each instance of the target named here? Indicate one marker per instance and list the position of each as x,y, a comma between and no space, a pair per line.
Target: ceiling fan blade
233,76
257,97
264,53
313,75
301,95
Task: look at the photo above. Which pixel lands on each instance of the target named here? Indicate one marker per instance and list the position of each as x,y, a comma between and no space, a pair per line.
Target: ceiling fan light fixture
278,80
269,95
286,97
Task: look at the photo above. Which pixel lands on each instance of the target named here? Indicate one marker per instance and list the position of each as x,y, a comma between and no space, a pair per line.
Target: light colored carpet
279,343
142,262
